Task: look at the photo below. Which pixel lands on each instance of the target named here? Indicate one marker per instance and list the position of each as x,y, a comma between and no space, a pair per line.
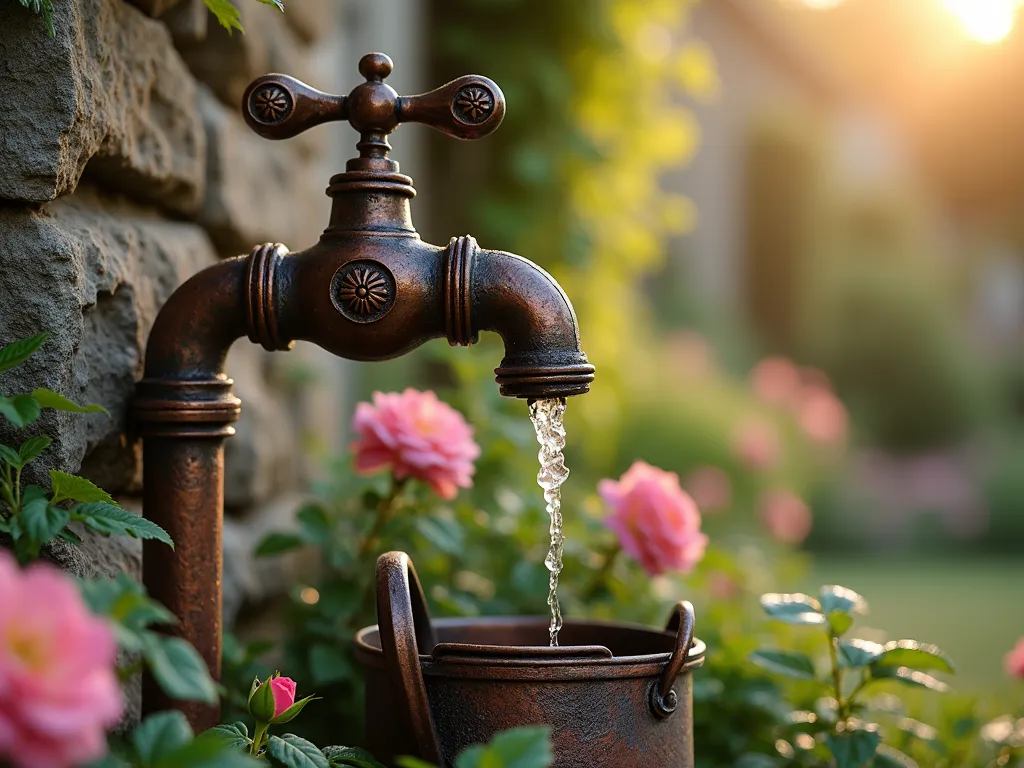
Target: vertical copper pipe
184,409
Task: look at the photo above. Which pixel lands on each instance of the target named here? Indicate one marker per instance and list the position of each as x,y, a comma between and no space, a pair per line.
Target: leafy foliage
32,516
851,742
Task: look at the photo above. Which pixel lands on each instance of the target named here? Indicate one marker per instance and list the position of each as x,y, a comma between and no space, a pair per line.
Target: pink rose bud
1014,660
657,523
415,435
284,693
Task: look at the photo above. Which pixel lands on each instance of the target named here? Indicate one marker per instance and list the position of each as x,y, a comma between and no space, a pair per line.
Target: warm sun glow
987,21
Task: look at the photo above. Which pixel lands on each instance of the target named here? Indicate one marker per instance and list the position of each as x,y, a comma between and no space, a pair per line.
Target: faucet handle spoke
280,106
468,107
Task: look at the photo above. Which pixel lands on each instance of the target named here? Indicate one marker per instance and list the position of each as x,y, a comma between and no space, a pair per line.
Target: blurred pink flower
416,435
710,488
689,354
723,586
58,684
1014,661
283,689
775,380
786,516
822,415
756,444
657,523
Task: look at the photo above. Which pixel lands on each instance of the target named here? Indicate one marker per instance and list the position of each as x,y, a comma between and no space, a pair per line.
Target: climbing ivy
596,93
224,10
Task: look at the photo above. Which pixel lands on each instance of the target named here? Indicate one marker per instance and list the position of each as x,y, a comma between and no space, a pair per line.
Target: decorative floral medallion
473,104
270,103
363,291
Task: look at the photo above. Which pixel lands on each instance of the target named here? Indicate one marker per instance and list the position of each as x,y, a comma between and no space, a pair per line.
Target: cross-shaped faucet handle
280,107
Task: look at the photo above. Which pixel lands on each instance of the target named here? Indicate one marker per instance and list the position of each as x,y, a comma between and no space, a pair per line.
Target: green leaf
887,757
279,4
290,751
10,455
42,520
179,669
853,748
208,751
315,524
909,677
856,654
835,598
405,761
18,352
292,712
235,735
76,488
528,747
328,664
797,608
446,535
788,663
110,519
910,653
226,13
160,734
47,398
353,757
32,447
278,543
21,410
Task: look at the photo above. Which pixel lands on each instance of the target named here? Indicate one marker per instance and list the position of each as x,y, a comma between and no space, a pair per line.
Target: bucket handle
663,699
404,624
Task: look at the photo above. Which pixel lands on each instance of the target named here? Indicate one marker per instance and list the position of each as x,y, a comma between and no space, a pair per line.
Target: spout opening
544,381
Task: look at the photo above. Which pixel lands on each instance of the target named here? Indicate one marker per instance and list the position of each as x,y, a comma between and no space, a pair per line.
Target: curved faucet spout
505,293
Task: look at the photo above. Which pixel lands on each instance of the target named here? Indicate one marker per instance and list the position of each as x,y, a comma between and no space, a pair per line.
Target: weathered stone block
262,459
228,62
188,22
248,580
258,191
154,7
109,97
92,273
312,20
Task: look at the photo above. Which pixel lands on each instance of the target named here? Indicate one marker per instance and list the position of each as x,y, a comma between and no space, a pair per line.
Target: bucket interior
518,633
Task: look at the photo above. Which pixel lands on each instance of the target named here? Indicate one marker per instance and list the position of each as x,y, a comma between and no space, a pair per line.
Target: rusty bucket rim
510,656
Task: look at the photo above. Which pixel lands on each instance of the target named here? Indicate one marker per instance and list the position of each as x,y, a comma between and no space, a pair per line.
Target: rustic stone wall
125,167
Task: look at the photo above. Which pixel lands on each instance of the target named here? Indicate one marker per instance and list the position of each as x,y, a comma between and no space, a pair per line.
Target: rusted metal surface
370,289
184,409
614,694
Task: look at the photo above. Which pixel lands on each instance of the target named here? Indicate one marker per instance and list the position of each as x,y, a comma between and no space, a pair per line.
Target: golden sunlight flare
987,21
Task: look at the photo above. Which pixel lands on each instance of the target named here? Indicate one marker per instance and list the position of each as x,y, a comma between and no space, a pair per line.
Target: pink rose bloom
822,416
657,523
416,435
710,488
1014,661
786,516
756,444
775,380
283,689
58,685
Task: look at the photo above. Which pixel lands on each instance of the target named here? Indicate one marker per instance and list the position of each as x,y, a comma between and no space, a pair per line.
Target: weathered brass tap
370,289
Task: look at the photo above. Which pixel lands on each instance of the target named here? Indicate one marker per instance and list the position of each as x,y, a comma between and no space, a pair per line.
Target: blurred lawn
972,608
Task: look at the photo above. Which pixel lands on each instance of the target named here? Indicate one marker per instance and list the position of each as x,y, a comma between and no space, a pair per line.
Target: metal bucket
615,695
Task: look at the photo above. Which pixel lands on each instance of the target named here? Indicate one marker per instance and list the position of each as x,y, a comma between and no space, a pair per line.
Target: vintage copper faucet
370,289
